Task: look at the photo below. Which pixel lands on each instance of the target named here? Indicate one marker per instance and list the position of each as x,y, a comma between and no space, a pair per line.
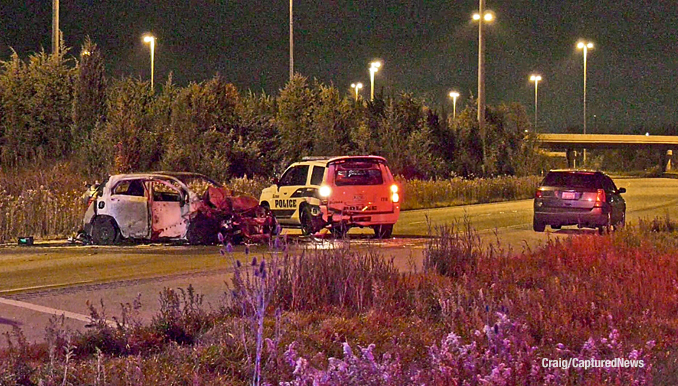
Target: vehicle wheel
201,230
339,230
538,226
621,223
306,220
383,231
105,231
605,229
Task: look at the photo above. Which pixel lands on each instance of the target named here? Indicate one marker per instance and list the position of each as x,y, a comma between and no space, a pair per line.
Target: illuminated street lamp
454,95
585,46
356,86
151,39
536,79
482,17
374,67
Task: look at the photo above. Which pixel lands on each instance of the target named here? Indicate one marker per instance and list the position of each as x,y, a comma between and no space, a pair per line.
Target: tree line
65,107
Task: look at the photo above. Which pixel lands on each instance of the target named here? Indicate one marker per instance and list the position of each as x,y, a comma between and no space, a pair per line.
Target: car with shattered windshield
587,199
171,206
337,193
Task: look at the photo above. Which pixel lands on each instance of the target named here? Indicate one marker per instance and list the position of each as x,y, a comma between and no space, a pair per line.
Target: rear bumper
593,218
361,219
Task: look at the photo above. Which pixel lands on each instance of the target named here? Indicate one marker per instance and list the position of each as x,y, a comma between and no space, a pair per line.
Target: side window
609,185
165,192
295,176
317,175
130,188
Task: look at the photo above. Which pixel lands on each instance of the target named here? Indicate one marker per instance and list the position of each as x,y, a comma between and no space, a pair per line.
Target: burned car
172,206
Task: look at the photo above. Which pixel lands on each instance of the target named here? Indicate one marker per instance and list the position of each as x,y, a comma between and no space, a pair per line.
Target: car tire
607,227
105,231
339,230
621,223
538,226
306,221
202,230
383,231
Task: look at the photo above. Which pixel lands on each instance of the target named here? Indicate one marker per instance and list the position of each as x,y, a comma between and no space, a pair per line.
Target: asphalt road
54,278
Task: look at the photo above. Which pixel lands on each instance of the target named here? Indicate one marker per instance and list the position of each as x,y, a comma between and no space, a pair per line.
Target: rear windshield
573,180
358,173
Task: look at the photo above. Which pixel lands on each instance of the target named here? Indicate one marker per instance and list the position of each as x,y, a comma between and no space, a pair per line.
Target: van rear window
358,173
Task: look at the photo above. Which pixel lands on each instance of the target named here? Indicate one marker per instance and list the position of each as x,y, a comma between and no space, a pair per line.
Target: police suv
337,193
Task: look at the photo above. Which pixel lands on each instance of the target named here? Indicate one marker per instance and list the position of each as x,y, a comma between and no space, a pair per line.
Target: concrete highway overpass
577,142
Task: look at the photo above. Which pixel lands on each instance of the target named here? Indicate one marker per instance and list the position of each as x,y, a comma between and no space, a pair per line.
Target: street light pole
374,67
356,86
291,42
480,17
151,39
454,95
535,79
585,46
55,27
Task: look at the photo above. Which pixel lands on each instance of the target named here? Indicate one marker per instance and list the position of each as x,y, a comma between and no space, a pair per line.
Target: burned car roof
185,177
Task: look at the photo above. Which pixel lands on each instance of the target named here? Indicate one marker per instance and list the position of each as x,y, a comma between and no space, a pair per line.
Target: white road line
52,311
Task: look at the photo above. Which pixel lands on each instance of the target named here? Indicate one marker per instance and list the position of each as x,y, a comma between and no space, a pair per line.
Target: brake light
538,194
600,198
325,191
395,197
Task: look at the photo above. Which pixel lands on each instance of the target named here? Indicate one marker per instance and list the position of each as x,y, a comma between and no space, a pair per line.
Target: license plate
362,219
568,195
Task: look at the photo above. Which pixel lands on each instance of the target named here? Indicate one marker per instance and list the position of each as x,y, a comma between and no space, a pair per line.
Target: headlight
325,191
395,197
394,188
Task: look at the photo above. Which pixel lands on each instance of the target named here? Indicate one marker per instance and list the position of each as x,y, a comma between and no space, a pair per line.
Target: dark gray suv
588,199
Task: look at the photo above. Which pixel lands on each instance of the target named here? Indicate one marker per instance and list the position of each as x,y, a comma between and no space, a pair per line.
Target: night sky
427,47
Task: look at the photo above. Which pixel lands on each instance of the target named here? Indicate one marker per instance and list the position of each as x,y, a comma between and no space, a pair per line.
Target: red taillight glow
600,198
538,194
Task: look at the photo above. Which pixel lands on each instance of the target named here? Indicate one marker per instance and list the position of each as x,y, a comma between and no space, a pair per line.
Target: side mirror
621,190
276,181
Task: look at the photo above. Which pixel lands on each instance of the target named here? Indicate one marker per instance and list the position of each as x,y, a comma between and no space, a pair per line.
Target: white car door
129,207
169,210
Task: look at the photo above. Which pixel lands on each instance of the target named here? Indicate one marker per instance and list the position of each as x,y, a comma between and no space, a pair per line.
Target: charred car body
337,193
172,206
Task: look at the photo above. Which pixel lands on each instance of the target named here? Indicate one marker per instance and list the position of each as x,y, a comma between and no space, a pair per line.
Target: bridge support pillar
571,154
666,160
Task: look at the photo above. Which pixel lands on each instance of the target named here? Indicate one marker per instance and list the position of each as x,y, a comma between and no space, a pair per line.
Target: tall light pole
585,46
374,67
291,42
356,86
55,27
151,39
535,79
481,17
454,95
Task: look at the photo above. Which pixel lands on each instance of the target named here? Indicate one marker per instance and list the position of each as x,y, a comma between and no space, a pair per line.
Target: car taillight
600,198
395,197
538,194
